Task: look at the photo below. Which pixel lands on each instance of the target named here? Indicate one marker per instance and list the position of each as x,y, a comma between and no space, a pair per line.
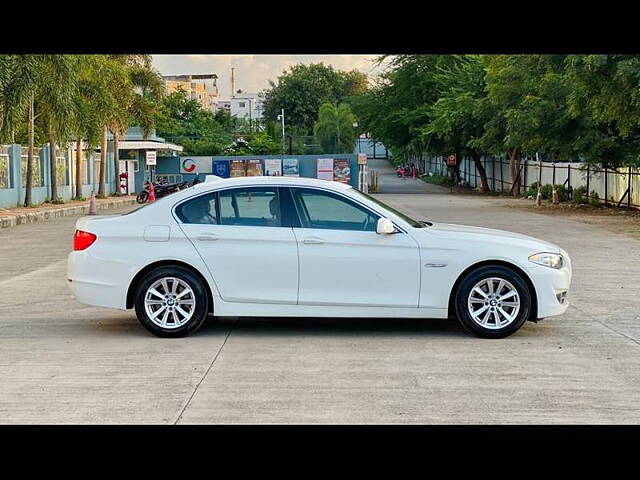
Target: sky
253,72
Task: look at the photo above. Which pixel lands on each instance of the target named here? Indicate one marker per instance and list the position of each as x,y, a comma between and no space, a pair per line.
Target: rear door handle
313,241
207,237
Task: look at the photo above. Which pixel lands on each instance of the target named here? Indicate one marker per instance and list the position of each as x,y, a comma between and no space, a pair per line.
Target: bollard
93,210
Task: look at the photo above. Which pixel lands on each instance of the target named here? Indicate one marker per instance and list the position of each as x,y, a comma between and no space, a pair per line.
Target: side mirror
385,226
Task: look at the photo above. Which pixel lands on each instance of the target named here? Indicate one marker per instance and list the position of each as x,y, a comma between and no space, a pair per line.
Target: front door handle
313,241
207,237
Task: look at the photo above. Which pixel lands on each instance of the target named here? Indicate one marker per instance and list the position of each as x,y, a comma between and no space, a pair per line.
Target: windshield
409,220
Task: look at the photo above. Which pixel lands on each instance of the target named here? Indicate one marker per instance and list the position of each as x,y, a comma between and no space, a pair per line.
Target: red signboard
452,160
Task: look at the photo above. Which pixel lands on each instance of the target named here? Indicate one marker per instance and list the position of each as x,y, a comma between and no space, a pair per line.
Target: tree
181,119
604,94
139,97
54,92
304,88
462,110
335,129
396,110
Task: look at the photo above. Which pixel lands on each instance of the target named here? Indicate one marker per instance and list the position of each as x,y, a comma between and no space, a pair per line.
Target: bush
547,192
594,199
580,195
438,179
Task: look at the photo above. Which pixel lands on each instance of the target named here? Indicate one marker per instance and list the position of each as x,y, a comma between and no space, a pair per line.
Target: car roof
273,180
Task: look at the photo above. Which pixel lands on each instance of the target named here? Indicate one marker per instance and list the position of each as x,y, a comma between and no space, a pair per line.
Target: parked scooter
161,189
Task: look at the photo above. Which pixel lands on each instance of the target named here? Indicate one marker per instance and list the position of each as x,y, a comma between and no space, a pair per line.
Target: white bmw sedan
300,247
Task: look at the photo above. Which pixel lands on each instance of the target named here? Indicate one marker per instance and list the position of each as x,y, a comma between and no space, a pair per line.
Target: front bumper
552,288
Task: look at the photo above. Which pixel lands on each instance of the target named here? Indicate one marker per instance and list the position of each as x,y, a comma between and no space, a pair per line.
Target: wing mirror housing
385,226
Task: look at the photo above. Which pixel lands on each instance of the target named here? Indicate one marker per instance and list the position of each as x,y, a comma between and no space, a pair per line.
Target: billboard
221,168
254,168
325,169
290,167
273,167
237,168
342,170
196,165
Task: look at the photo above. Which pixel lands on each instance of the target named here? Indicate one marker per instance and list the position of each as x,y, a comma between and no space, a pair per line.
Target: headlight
552,260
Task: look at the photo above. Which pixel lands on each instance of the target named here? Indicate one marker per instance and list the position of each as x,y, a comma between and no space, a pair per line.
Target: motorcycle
162,188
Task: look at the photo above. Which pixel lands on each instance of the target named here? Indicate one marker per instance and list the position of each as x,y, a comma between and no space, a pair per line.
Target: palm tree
335,129
102,85
138,101
18,82
55,93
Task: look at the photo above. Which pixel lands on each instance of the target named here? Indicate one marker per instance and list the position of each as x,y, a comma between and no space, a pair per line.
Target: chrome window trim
279,185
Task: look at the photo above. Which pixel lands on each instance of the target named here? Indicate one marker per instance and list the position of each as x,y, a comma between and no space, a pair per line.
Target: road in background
63,362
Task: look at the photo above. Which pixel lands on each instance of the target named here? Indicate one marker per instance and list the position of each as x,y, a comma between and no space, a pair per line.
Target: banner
196,165
254,168
290,167
342,170
273,167
325,169
221,168
237,168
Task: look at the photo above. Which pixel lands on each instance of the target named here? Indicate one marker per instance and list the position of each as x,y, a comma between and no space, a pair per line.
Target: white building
247,106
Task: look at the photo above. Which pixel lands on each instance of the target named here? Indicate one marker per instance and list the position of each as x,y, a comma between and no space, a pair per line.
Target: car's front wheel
493,301
171,301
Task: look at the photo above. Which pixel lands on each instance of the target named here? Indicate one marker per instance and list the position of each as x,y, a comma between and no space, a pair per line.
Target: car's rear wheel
171,301
493,301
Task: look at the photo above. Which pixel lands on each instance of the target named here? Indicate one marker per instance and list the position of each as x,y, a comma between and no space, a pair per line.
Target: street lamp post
281,117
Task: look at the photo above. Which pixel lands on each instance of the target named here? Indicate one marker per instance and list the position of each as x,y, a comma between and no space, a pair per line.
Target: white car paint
283,271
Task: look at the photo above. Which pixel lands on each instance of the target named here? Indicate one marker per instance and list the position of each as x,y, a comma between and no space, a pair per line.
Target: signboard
341,170
273,167
254,168
325,169
196,165
452,160
290,167
362,159
237,168
221,168
151,157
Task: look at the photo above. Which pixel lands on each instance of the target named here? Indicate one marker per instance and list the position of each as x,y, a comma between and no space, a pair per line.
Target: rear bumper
96,282
552,287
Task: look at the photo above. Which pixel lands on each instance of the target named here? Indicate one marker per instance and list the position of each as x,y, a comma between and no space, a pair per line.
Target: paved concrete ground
61,362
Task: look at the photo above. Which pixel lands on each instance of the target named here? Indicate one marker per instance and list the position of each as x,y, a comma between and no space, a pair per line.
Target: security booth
138,158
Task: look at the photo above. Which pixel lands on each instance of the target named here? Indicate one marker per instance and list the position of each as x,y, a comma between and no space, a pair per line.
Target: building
247,106
132,152
201,87
224,105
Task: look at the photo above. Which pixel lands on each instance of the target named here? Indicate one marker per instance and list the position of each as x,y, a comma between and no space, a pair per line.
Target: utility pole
233,82
281,117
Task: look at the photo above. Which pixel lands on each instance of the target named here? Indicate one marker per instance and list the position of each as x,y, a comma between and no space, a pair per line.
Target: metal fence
618,186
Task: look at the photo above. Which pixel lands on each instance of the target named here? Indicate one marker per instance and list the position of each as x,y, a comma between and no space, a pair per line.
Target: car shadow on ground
333,326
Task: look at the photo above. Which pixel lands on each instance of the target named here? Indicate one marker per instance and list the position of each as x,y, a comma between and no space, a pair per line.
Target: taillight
82,240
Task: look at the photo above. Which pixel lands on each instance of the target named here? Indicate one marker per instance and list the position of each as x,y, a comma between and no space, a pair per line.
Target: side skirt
237,309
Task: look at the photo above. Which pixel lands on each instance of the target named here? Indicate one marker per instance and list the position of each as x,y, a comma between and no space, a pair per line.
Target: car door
239,233
343,261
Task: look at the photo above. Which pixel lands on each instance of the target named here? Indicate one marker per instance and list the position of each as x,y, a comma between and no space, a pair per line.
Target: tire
477,310
179,315
142,197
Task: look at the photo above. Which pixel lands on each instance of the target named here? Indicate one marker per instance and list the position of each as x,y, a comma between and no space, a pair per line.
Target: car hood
480,234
